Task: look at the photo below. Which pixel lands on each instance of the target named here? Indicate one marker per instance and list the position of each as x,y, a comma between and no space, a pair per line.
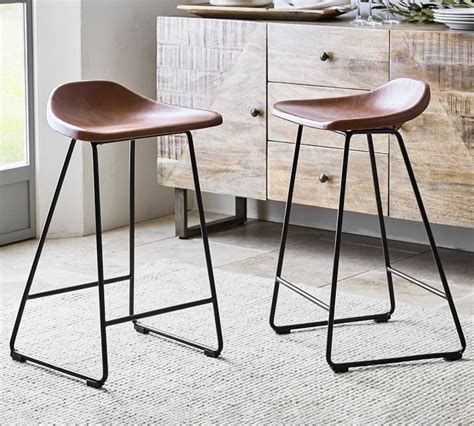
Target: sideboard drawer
314,162
285,131
357,58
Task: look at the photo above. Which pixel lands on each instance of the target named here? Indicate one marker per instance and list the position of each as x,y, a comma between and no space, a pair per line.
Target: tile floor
249,249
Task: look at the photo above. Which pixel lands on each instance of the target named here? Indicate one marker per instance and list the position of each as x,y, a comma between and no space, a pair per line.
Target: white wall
57,59
89,39
119,43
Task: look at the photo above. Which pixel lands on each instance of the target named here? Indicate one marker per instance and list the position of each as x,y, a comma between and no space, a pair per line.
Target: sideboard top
343,21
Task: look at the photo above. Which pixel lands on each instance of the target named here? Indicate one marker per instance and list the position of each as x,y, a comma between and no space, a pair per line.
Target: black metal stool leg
100,272
207,251
131,241
337,249
284,234
131,248
214,353
285,329
449,356
15,355
383,233
434,249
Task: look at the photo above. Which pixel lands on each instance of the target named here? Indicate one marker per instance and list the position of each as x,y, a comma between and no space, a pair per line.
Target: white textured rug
261,378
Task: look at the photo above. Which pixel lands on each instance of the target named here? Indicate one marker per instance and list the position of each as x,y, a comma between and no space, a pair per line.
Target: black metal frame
340,367
183,231
101,281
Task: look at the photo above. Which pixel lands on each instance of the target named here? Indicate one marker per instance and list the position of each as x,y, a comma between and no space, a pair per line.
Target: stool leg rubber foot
211,354
282,330
339,369
454,357
94,384
382,319
141,329
17,357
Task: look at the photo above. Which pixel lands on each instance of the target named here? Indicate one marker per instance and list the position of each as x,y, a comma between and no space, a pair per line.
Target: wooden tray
205,10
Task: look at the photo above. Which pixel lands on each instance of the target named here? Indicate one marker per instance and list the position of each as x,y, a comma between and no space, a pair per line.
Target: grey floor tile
399,246
69,261
459,268
250,249
46,279
466,305
145,232
374,284
188,251
310,262
263,236
23,252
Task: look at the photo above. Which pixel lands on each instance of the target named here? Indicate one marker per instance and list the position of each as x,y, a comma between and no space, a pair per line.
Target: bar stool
380,111
102,112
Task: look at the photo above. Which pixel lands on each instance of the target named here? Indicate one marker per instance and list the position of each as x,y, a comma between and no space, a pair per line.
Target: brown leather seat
102,111
390,105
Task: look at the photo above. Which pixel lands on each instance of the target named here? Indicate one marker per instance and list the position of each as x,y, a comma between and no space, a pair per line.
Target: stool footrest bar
303,293
416,282
158,311
208,351
77,287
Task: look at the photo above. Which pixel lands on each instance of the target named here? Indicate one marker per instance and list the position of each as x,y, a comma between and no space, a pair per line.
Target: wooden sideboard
241,68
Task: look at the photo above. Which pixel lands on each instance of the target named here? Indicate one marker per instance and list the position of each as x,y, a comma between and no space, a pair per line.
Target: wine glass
358,20
370,19
389,18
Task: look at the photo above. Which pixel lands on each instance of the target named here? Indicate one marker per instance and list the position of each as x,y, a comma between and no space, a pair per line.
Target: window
16,131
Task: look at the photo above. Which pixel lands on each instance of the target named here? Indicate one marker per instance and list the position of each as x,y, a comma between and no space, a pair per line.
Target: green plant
417,11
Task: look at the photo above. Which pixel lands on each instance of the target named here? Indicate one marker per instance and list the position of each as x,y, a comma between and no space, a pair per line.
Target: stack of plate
458,18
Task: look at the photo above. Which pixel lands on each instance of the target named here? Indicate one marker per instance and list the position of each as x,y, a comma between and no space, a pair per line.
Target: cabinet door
440,142
221,66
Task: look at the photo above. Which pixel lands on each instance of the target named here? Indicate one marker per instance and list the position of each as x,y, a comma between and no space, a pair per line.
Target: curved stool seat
380,111
104,111
390,105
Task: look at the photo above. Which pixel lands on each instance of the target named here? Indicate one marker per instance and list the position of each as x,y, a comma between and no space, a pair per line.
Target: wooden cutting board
268,13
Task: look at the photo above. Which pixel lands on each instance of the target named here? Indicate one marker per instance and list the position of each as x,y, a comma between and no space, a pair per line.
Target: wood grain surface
219,66
440,142
222,65
359,58
259,13
315,161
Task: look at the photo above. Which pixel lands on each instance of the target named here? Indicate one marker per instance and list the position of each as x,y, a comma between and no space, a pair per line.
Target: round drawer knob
323,178
324,56
254,112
